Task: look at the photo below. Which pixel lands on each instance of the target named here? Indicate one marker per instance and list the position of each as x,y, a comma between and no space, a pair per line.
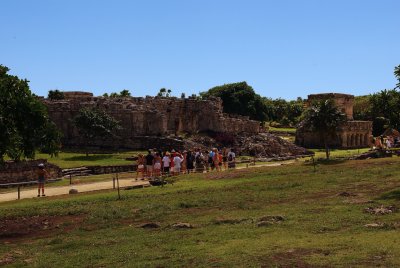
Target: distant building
351,134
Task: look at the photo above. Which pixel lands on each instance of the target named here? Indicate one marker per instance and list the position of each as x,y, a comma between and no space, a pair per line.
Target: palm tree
323,117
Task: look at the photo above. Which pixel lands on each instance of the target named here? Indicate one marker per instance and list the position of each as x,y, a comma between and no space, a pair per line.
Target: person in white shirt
177,163
231,159
166,161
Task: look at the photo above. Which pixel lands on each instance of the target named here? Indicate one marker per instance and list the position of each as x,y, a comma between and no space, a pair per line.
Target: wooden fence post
119,195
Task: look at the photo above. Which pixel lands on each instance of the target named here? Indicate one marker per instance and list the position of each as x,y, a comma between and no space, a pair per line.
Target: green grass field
69,160
287,130
321,227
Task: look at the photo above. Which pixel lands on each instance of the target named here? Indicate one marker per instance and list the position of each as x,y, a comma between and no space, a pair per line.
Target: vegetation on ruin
125,93
324,222
163,92
55,95
239,98
93,124
24,123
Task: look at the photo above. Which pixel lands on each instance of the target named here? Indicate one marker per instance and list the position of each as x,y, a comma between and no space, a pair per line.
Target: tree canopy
24,123
94,123
282,112
323,117
239,98
163,92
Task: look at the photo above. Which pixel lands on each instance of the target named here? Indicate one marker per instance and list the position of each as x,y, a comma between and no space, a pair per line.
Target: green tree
239,98
49,139
23,119
55,95
362,108
387,104
397,74
163,92
323,117
95,123
125,93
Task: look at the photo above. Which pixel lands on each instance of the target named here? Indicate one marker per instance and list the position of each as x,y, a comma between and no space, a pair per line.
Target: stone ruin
143,119
157,122
351,134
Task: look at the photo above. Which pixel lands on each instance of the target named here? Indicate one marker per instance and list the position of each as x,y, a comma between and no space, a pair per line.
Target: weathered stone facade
149,116
352,134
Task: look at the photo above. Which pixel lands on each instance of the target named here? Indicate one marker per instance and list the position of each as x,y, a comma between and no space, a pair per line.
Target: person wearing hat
42,176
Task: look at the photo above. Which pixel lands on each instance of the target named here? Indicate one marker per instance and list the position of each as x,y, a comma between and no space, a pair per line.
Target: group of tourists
387,142
157,163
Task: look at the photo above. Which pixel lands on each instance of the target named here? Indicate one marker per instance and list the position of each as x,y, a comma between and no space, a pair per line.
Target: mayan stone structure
352,134
142,118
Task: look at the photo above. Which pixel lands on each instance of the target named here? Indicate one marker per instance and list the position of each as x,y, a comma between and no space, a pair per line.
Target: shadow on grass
332,161
96,157
327,162
391,195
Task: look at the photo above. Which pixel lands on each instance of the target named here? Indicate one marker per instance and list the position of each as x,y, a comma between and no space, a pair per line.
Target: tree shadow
96,157
332,161
395,194
326,162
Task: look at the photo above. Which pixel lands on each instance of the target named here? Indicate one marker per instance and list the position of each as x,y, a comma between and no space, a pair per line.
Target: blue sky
282,48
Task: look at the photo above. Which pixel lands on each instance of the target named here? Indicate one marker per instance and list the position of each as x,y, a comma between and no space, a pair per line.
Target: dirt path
95,186
61,190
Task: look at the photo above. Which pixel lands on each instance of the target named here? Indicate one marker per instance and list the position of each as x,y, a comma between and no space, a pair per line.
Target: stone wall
344,102
149,116
352,134
25,171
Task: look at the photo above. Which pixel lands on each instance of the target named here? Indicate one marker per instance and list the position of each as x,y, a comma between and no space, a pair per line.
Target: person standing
178,159
225,158
166,161
140,166
157,165
42,177
183,165
149,164
189,162
231,159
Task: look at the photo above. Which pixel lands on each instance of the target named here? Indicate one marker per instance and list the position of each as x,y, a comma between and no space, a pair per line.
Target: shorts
177,169
157,166
149,168
166,169
41,180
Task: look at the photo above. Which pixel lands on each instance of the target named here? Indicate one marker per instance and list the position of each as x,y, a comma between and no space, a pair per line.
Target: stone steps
80,171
